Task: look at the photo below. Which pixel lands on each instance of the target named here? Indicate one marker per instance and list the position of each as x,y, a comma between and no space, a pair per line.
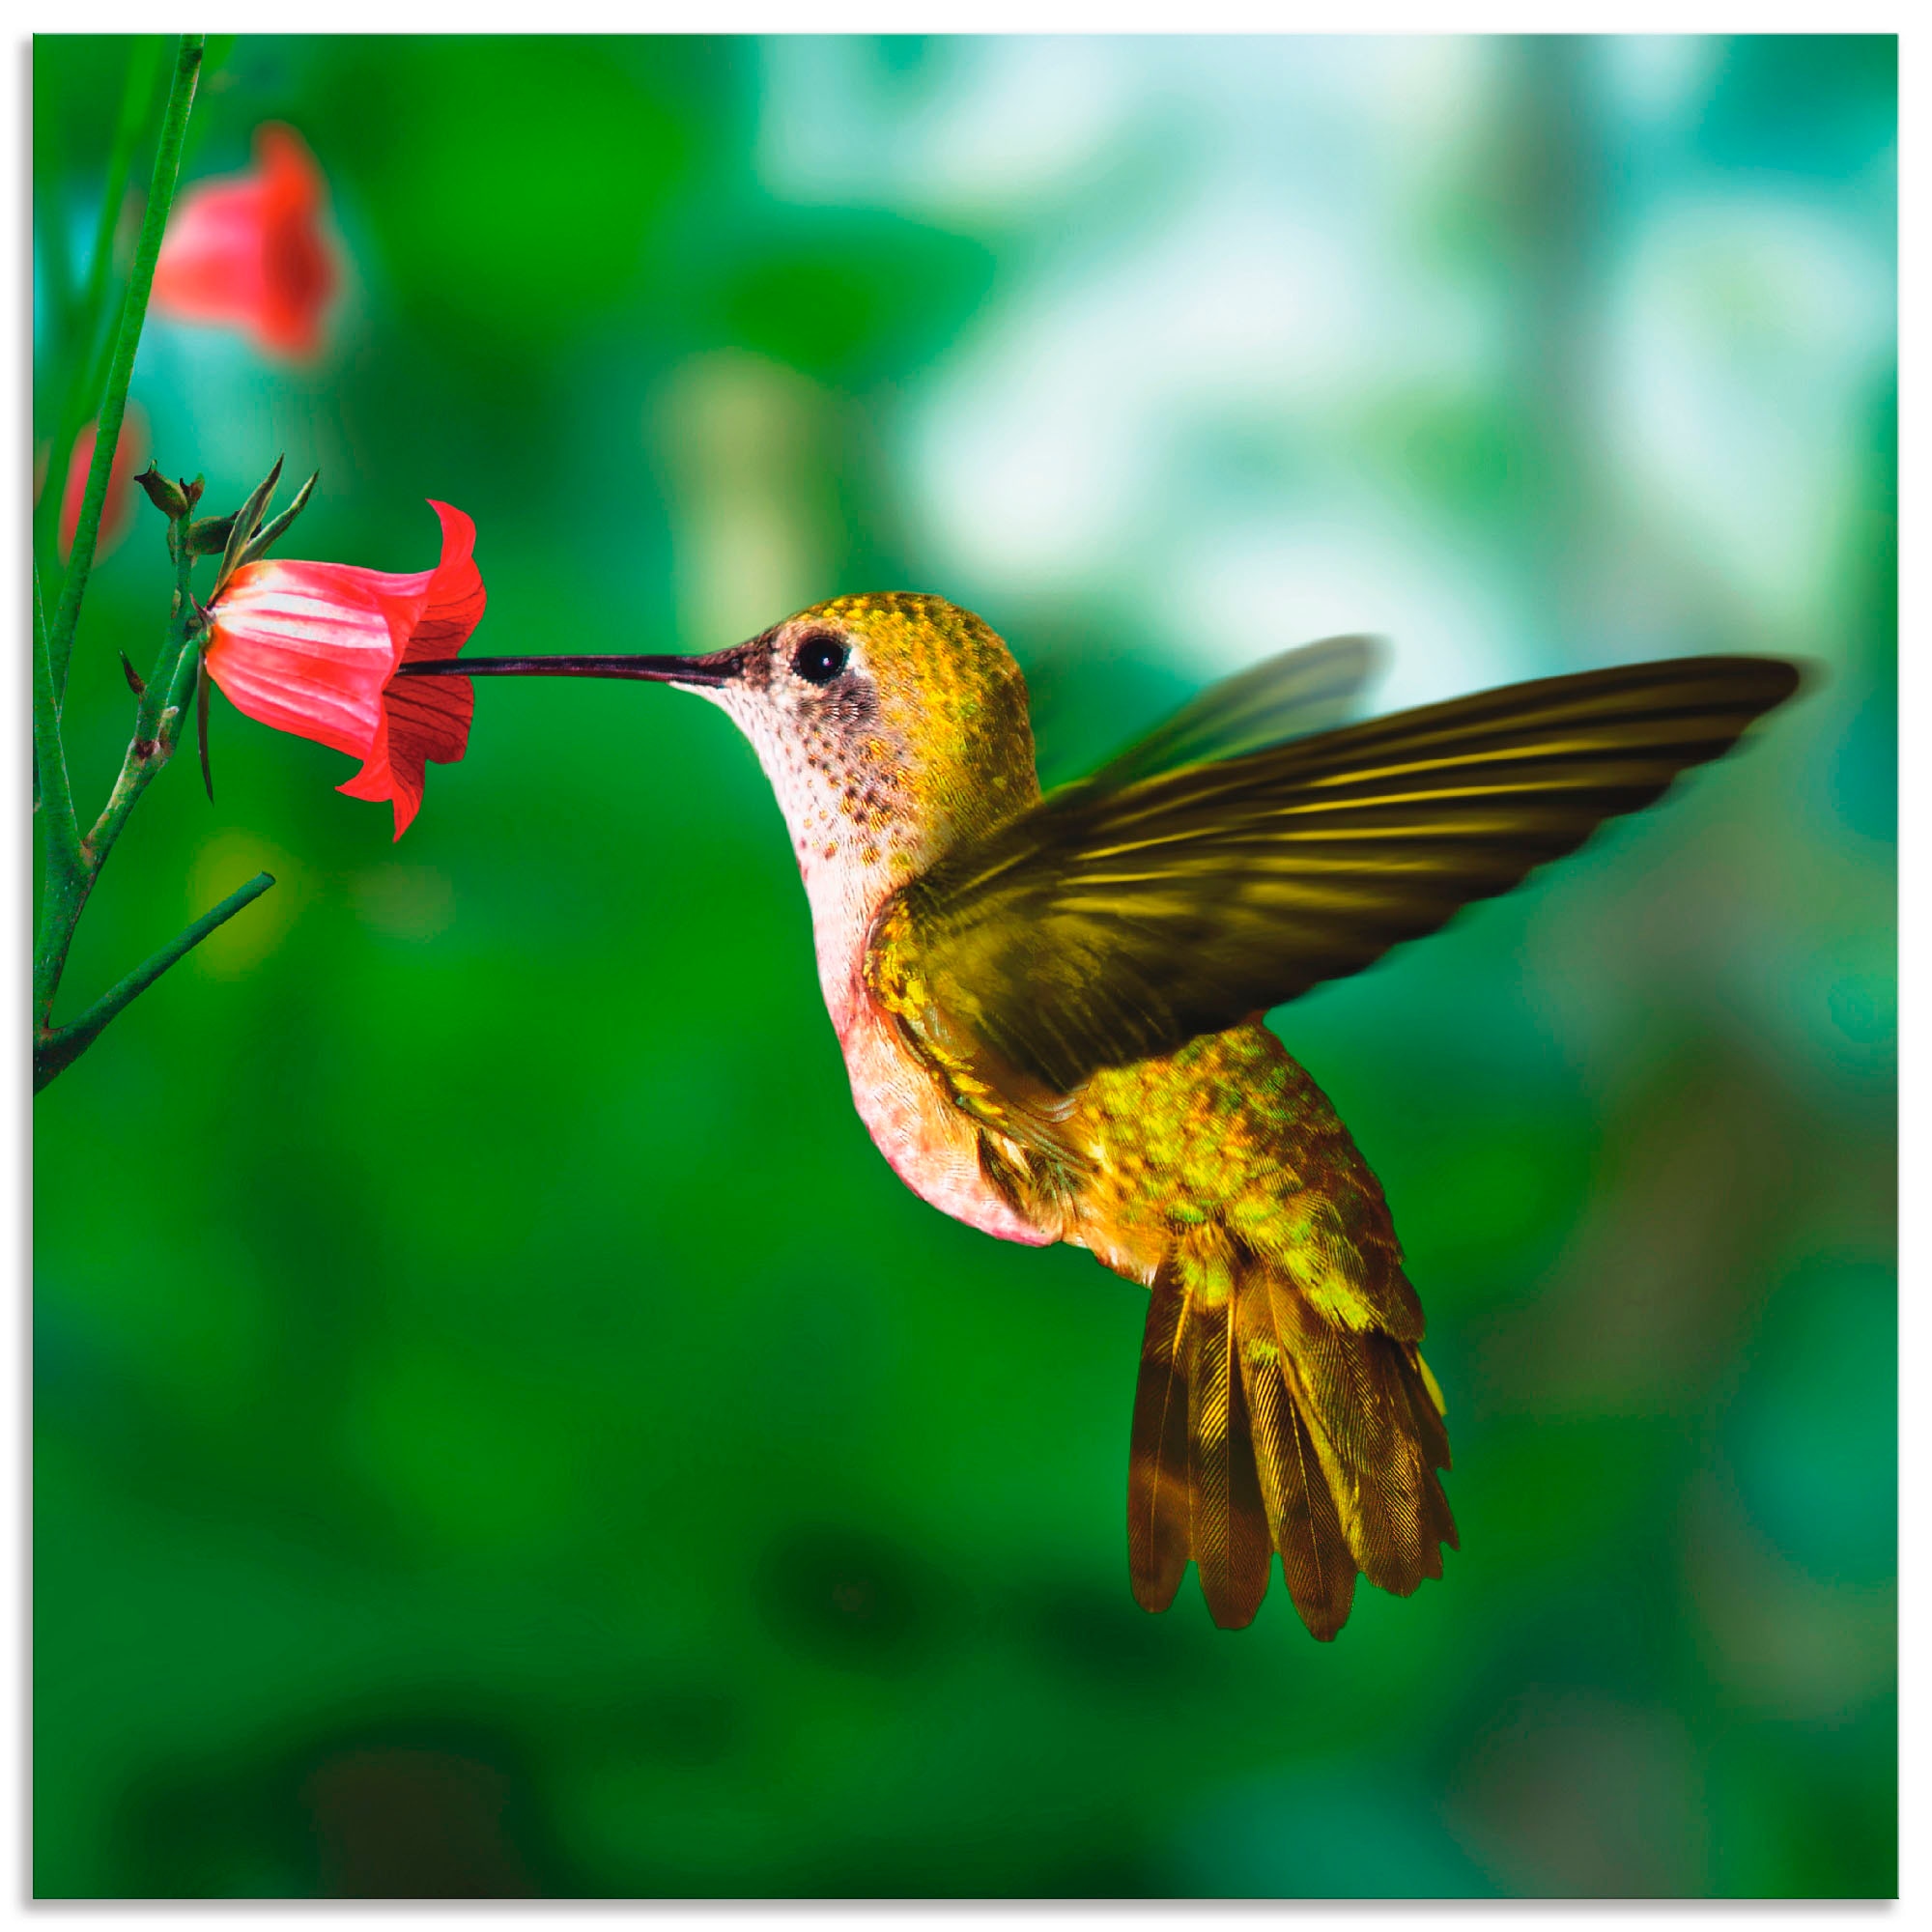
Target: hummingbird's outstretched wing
1116,920
1312,688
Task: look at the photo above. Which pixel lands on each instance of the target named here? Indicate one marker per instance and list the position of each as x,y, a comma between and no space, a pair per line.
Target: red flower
313,648
249,249
129,453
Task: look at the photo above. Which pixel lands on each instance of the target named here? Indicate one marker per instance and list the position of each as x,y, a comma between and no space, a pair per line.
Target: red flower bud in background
129,454
313,648
249,251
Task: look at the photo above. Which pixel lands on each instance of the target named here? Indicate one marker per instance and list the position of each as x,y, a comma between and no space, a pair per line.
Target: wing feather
1312,688
1116,920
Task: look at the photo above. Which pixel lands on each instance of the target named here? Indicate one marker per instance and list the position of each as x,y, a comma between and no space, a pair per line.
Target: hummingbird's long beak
714,668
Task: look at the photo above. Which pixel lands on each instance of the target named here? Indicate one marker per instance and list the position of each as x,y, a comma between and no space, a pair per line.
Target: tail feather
1260,1424
1227,1527
1354,1392
1315,1556
1157,1481
1424,1405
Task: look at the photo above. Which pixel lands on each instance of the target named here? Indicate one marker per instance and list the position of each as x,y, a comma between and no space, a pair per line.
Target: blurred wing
1314,688
1111,923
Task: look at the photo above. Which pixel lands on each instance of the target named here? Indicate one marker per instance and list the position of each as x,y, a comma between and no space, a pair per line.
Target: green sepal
271,531
247,520
202,682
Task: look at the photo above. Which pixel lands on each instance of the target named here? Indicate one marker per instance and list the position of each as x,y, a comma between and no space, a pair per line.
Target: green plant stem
73,865
74,862
86,339
60,1048
139,92
157,715
121,369
73,869
65,887
49,754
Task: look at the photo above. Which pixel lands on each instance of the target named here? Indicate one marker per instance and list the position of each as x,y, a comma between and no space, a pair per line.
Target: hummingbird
1051,1014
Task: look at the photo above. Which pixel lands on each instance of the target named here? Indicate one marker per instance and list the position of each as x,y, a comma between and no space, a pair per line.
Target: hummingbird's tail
1262,1422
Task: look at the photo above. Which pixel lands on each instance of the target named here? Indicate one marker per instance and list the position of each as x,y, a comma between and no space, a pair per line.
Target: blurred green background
501,1429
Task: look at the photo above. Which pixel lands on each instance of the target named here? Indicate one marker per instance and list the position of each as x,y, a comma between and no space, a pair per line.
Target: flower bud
166,495
208,536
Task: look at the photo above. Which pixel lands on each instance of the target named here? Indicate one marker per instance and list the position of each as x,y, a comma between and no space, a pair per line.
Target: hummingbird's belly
932,1146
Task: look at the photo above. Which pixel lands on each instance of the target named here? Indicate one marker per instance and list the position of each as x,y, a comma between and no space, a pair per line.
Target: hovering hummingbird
1051,1012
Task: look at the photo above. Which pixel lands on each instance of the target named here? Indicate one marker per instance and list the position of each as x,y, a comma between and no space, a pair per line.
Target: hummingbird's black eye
819,658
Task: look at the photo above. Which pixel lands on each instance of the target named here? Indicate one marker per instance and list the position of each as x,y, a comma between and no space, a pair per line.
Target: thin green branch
49,753
158,721
158,715
142,71
87,343
67,879
62,1047
121,370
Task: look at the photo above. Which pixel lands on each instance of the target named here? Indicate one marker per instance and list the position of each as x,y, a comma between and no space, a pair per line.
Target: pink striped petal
425,720
307,648
312,648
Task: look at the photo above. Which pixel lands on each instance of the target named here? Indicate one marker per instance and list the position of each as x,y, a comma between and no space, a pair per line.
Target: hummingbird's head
890,726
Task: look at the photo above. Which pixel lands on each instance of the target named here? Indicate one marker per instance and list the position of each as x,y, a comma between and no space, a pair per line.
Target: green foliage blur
501,1429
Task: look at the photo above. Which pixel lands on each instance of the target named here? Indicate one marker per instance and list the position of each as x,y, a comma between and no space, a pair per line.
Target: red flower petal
427,720
307,648
311,648
297,270
129,452
249,251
